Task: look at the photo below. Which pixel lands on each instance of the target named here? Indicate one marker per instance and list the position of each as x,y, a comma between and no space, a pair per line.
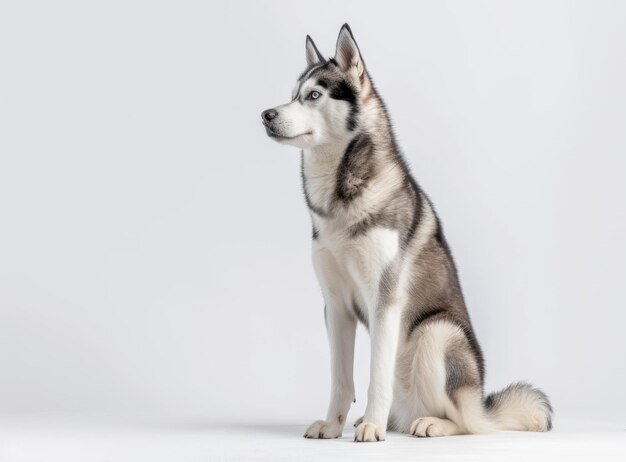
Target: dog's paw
368,431
427,426
321,429
358,422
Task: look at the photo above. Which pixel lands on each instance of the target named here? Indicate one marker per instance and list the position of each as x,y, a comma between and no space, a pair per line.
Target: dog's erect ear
348,54
313,56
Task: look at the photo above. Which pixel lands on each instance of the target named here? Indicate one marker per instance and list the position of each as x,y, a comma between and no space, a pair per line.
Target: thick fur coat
381,259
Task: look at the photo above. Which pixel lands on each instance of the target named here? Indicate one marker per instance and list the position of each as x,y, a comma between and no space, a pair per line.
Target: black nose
268,115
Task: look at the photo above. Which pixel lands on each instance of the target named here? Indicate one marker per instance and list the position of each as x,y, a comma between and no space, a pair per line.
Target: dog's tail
520,406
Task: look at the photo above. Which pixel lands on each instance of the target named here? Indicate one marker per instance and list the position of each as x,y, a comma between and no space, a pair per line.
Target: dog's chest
358,263
339,198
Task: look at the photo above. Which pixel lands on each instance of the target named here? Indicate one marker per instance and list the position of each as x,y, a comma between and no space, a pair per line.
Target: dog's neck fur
323,166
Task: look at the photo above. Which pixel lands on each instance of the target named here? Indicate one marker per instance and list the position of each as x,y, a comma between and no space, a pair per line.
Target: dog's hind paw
433,426
321,429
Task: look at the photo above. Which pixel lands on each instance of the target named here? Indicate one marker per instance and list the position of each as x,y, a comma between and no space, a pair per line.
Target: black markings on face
343,91
340,89
329,77
310,70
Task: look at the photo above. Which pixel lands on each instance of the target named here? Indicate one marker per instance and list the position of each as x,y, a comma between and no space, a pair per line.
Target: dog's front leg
384,330
341,329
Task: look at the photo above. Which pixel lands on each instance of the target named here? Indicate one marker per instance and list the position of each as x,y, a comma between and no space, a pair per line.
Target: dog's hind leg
441,383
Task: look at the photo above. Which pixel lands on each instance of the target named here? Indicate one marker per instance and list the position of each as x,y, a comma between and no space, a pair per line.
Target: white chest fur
350,269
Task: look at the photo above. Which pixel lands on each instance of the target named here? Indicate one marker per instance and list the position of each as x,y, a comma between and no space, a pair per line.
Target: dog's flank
381,258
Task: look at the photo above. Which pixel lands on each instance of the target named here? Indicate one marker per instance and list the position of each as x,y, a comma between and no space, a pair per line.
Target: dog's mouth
272,134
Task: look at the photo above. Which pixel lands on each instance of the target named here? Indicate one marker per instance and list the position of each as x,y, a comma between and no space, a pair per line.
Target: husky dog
381,258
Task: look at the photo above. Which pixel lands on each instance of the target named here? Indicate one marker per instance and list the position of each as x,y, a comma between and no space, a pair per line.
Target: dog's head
326,100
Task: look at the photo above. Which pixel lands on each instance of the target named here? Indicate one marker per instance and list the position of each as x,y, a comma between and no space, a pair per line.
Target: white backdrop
154,244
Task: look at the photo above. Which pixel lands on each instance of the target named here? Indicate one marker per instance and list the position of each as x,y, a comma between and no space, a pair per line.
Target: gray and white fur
381,258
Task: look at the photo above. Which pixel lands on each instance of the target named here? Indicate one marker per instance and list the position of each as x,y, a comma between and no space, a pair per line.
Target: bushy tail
520,406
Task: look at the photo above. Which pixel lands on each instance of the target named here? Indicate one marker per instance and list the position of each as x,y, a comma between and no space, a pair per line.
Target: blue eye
314,95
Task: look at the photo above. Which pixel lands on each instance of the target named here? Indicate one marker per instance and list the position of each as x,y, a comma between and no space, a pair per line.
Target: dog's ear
313,56
347,54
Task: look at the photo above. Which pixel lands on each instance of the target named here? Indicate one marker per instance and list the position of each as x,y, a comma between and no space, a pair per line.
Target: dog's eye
314,95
